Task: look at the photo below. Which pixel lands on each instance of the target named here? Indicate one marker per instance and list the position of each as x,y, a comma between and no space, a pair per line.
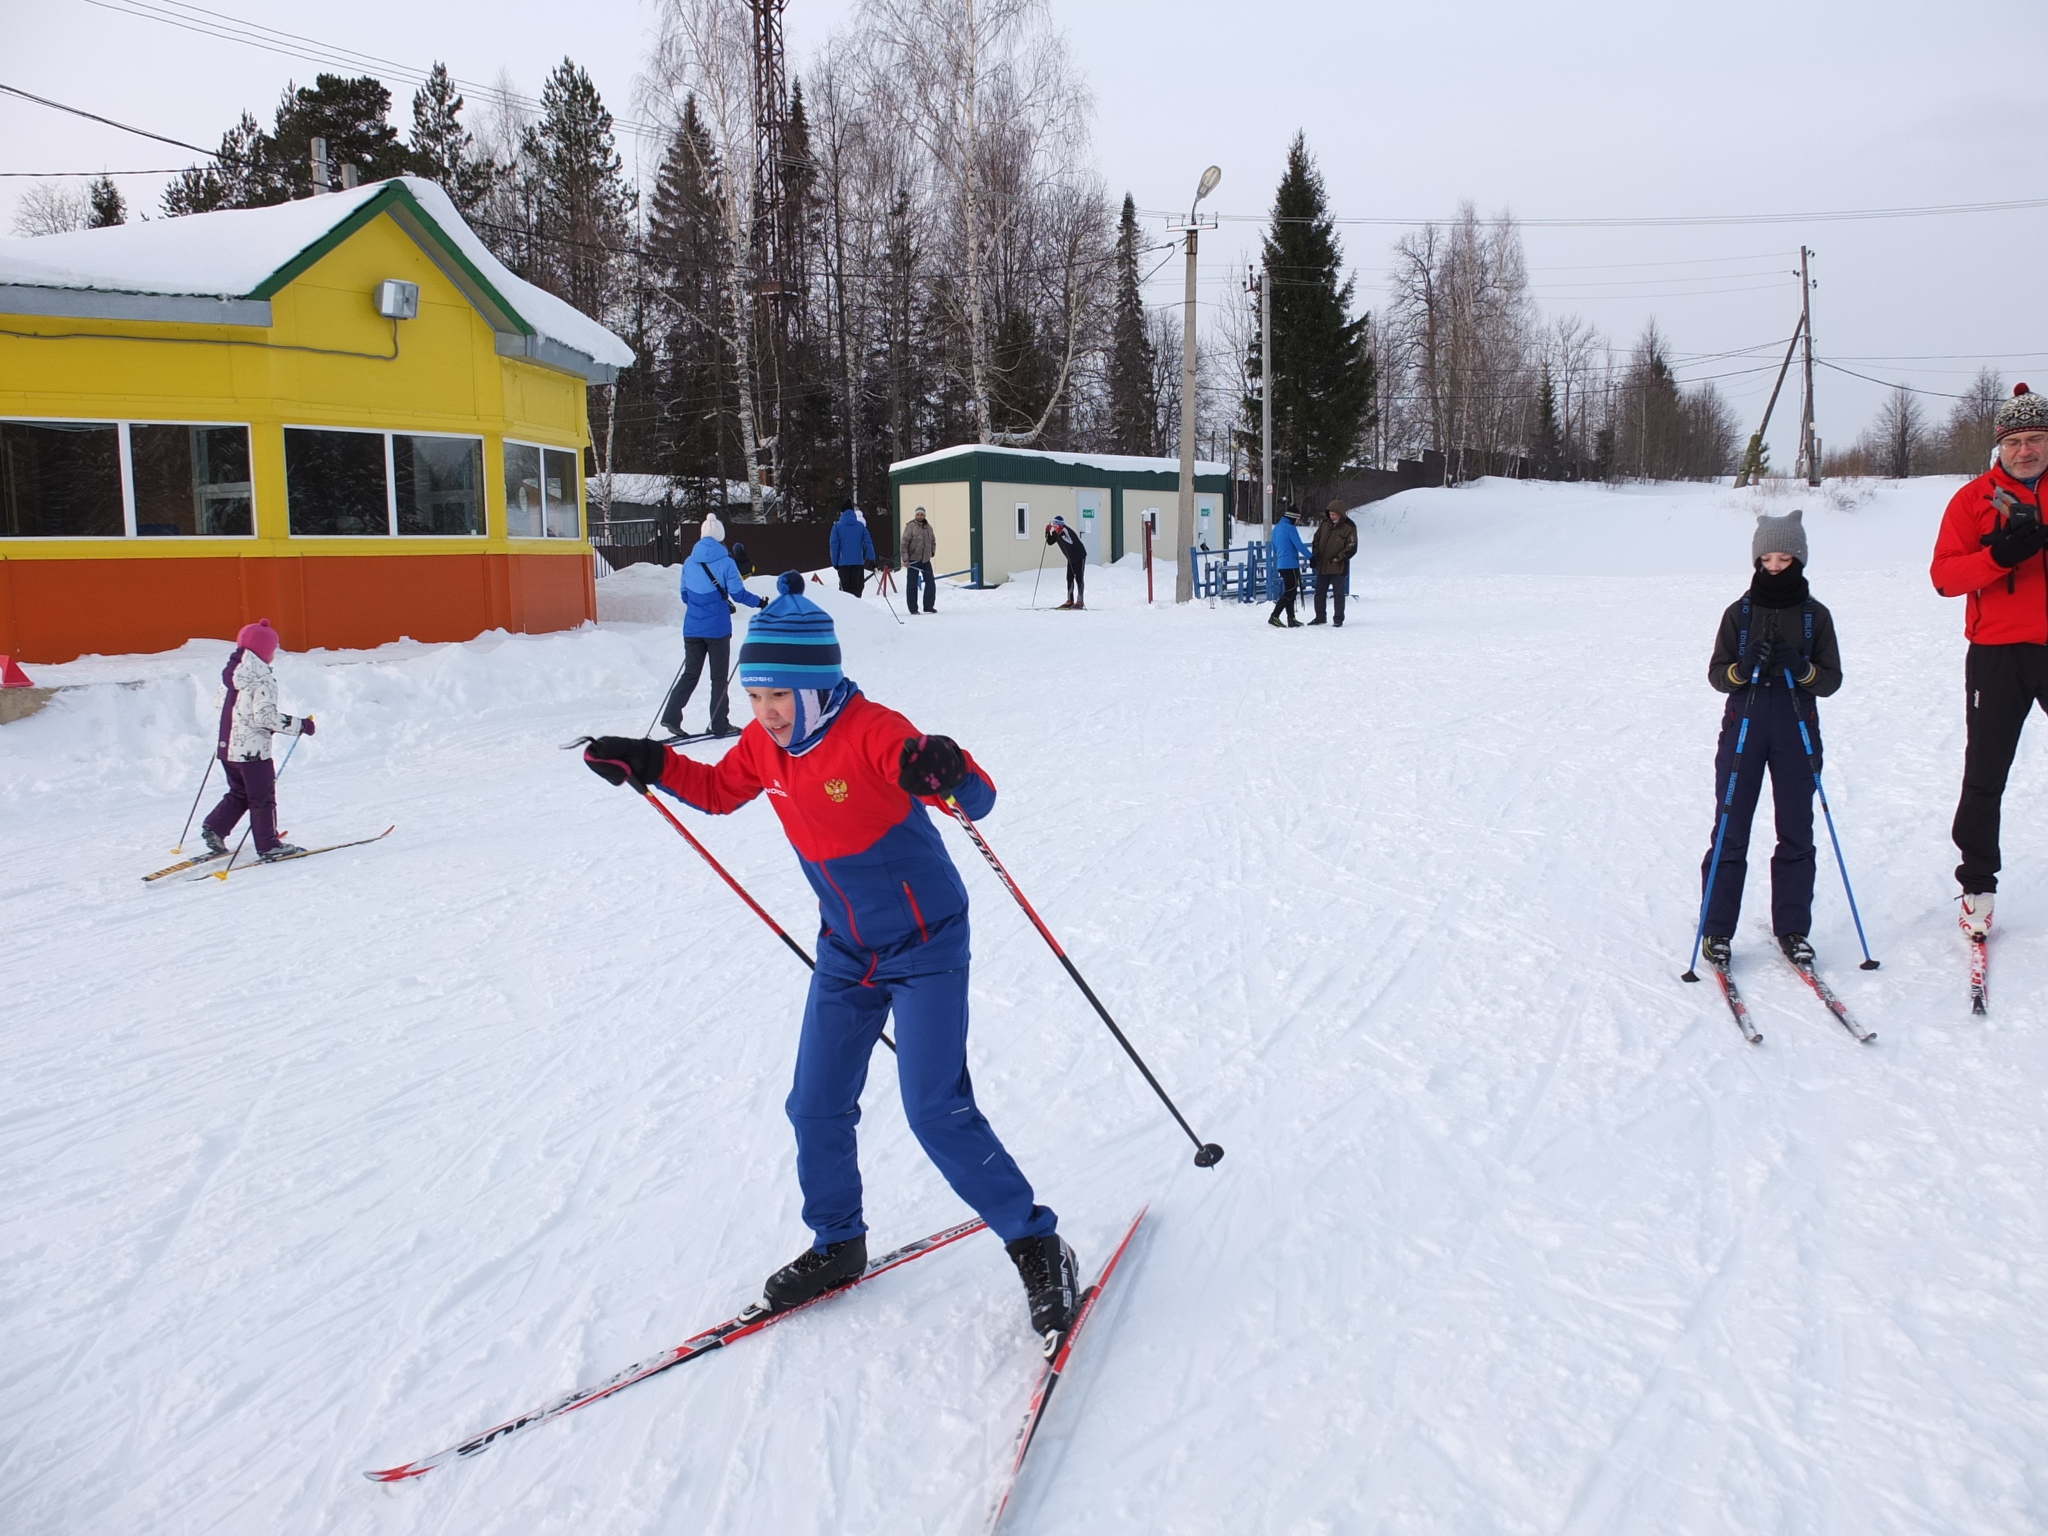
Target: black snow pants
696,652
1772,742
2003,683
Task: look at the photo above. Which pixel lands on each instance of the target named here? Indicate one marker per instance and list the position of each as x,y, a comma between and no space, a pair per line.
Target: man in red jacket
1990,551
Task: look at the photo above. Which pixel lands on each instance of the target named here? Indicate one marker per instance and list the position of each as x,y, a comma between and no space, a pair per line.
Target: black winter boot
214,843
1046,1266
1797,950
814,1272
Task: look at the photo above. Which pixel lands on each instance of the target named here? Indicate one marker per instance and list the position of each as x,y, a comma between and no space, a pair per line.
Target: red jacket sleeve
718,788
1962,564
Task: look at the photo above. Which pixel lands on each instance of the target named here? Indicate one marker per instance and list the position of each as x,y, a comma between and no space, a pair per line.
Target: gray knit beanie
2024,412
1780,536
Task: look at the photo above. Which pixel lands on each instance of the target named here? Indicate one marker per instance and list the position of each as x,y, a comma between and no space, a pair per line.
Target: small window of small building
439,483
564,486
61,480
1023,519
543,492
335,483
524,516
191,481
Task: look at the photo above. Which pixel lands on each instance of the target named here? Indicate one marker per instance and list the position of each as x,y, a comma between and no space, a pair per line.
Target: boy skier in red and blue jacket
850,781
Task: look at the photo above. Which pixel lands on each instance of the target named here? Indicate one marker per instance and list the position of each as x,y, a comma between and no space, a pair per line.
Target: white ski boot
1975,917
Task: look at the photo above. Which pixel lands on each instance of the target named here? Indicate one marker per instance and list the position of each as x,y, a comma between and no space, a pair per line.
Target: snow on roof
647,490
233,252
1126,463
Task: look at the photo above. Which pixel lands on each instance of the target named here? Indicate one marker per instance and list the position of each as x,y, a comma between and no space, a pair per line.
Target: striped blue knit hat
791,642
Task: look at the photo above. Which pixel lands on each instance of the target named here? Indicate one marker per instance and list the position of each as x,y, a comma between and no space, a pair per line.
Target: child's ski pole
717,868
1721,832
1840,863
195,804
1207,1153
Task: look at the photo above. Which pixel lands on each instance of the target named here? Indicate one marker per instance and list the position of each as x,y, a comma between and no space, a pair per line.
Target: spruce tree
240,177
442,148
108,206
686,257
352,115
1322,367
1547,449
581,200
1133,398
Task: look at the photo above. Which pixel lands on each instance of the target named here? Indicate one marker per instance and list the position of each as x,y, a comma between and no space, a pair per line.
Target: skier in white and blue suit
711,586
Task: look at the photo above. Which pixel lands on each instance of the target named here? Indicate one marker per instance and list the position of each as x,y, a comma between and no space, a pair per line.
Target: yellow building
342,413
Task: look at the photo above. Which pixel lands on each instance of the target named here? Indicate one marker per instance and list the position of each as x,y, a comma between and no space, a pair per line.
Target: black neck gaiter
1785,589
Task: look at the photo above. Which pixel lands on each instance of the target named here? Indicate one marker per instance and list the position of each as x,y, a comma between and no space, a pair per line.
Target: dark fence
668,540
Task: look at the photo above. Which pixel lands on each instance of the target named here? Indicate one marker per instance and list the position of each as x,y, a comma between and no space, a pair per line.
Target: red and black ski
1054,1368
1736,1005
731,1331
1980,972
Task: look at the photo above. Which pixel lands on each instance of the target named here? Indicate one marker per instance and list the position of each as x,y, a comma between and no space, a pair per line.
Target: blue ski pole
1848,890
1721,832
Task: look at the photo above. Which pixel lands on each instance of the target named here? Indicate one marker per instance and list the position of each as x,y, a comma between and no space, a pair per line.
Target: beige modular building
989,507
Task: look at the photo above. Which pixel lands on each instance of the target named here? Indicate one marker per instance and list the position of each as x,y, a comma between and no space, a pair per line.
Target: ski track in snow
330,1165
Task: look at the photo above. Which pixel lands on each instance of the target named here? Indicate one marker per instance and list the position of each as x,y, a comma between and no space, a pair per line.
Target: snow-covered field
325,1167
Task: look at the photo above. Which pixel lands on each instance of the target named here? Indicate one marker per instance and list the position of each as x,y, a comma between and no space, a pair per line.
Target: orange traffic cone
11,676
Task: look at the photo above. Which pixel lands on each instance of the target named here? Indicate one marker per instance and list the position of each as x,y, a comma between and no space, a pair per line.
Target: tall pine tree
442,148
108,207
1133,397
352,115
1322,366
686,256
581,200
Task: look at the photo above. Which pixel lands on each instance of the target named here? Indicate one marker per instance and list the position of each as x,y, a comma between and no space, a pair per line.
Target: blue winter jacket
709,578
1288,550
850,542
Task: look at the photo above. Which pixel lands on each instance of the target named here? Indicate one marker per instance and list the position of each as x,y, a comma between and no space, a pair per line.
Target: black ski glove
1785,658
1757,657
931,765
2016,540
612,758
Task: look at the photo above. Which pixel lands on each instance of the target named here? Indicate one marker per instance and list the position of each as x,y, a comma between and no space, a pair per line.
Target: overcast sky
1564,111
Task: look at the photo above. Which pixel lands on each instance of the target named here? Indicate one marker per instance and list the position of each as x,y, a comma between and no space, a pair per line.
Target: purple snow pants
252,787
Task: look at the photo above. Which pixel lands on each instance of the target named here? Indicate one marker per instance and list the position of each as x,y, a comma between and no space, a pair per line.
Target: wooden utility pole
1266,401
1809,446
1184,541
1753,459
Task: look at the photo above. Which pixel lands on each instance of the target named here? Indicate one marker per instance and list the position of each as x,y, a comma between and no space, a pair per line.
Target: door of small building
1090,505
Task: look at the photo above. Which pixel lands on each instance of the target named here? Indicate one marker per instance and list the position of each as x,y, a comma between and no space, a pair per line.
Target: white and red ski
750,1321
1736,1005
1833,1003
1980,972
1054,1368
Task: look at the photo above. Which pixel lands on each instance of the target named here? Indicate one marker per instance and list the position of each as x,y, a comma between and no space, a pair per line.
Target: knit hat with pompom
260,638
791,643
2024,412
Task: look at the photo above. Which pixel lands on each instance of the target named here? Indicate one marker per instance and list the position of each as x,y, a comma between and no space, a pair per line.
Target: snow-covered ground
325,1167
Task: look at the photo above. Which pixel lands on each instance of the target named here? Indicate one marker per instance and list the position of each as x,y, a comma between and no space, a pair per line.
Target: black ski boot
814,1272
1797,950
1046,1266
215,845
1714,949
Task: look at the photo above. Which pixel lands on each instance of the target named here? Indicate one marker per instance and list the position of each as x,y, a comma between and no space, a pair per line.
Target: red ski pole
717,868
1207,1153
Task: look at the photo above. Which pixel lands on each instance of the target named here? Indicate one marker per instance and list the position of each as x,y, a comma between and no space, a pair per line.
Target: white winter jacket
256,717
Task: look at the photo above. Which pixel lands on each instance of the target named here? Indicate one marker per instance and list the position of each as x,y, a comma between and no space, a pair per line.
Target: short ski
192,863
1054,1368
1833,1003
1736,1005
222,874
750,1321
1980,969
693,738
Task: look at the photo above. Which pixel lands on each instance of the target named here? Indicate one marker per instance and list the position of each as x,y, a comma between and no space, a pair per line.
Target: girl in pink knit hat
249,717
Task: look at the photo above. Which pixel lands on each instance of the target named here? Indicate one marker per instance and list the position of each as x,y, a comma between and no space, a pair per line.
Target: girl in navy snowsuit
1775,654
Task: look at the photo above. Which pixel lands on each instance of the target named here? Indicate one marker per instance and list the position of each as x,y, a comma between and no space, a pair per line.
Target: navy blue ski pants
842,1022
1773,743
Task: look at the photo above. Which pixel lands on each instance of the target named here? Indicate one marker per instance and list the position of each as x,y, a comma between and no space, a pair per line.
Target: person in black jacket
1068,542
1774,655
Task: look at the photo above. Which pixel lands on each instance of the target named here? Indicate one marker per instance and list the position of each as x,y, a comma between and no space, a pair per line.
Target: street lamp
1184,579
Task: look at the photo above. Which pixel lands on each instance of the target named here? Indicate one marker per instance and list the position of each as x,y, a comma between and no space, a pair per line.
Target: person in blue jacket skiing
853,551
711,586
1288,554
851,781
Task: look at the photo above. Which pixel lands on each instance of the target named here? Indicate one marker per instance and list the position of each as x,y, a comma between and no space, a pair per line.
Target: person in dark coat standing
853,551
1288,554
1336,542
920,543
1774,655
1990,549
711,586
1068,542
